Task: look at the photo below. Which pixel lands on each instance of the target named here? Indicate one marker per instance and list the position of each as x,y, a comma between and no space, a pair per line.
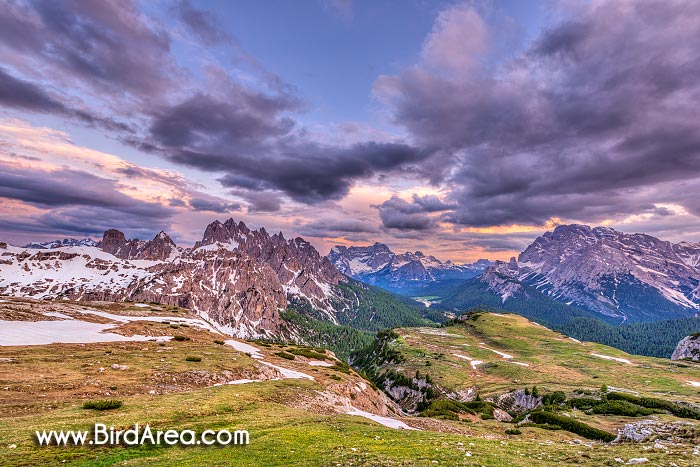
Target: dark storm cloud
25,95
308,172
597,113
213,205
338,227
110,57
397,213
261,201
78,195
106,43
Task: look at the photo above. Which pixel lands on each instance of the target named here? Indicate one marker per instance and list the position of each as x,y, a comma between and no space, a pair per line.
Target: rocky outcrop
688,349
650,430
517,402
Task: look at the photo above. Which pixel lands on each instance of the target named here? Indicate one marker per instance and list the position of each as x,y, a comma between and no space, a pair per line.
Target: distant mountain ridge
615,275
62,243
237,278
402,273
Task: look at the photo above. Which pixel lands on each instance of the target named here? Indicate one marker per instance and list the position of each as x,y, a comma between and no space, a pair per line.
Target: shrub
192,358
219,341
335,377
569,424
342,367
181,338
583,403
554,398
308,353
285,355
107,404
624,408
653,403
513,431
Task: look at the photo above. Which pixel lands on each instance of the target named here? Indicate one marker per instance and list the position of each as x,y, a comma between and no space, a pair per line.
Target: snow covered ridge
236,277
628,276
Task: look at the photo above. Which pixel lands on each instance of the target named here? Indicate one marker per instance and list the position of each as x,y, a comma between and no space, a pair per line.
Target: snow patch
386,421
319,363
616,359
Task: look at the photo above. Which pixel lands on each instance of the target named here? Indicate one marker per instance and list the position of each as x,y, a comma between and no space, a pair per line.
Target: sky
462,129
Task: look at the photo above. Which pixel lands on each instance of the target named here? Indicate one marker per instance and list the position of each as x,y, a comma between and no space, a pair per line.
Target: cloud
397,213
213,205
25,95
71,187
338,228
262,201
76,201
106,43
203,24
458,39
113,60
586,123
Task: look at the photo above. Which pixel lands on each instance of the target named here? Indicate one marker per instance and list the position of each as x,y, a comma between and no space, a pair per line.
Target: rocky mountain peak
600,269
160,248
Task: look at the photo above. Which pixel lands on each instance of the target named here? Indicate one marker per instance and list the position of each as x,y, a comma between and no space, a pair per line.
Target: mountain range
241,280
247,281
406,273
616,276
573,271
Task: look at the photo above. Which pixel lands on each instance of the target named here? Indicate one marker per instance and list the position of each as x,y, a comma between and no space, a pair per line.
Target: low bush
572,425
308,353
653,403
623,408
192,358
513,431
107,404
285,355
181,338
219,342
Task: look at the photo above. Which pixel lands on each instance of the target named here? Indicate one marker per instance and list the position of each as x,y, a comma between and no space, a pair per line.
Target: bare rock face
517,402
688,349
227,287
159,249
299,267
